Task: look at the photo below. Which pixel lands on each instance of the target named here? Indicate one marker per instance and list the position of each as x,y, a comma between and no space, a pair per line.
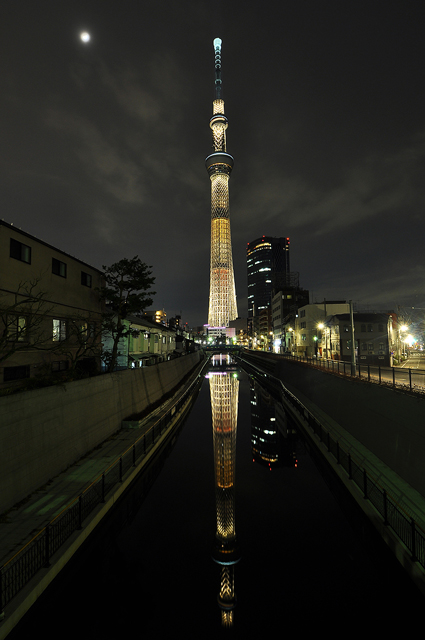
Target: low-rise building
371,337
50,311
285,305
158,316
305,333
145,343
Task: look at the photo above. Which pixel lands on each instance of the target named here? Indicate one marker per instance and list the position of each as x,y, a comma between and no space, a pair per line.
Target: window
364,346
85,279
16,328
60,365
370,346
20,251
370,328
59,330
381,346
363,328
16,373
346,328
58,268
92,330
302,313
83,331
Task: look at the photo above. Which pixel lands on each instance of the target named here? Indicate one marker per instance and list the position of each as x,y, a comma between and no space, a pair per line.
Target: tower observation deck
219,164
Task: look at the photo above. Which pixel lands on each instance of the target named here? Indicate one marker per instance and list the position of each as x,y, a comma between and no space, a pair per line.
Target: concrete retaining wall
44,431
391,424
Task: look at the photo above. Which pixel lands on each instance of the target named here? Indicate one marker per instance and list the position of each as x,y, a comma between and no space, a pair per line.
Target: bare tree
22,319
82,341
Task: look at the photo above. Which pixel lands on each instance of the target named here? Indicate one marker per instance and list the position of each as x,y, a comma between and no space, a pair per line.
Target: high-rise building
219,164
267,261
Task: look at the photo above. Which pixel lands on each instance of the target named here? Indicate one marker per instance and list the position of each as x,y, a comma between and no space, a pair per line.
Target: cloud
108,166
130,92
388,183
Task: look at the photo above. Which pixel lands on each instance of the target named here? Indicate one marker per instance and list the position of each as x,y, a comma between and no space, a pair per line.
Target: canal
238,534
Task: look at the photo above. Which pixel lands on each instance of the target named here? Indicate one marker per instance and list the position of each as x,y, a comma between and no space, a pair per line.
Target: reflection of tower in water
224,389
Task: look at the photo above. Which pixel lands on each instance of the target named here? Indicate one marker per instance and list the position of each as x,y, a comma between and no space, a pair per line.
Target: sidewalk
20,524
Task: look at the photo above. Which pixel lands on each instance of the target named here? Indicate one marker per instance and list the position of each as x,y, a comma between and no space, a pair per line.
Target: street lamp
402,329
321,326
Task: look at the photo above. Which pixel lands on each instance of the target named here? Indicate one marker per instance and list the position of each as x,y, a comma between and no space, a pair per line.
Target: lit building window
59,330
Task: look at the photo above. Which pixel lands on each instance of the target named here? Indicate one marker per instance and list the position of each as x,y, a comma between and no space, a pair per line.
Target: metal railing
412,379
37,553
407,530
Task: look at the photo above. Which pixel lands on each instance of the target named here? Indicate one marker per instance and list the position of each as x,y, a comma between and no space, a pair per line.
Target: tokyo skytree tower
222,305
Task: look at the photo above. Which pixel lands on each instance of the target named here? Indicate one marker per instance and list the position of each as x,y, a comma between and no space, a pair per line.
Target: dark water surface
302,567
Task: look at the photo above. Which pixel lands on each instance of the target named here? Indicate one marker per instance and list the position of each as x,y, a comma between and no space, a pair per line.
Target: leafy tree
126,292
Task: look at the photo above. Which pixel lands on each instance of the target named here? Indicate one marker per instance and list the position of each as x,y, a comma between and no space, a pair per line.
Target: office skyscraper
222,302
267,261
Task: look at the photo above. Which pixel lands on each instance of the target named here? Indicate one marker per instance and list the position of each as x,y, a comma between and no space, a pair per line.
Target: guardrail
408,531
412,379
36,554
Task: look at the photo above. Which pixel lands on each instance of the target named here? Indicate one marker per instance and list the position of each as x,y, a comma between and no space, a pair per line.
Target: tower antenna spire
217,65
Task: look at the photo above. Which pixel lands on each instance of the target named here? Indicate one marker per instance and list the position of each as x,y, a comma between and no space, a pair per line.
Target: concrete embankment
382,430
53,501
44,431
388,422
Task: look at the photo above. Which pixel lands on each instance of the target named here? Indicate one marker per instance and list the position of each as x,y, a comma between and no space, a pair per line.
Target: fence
412,379
36,554
393,515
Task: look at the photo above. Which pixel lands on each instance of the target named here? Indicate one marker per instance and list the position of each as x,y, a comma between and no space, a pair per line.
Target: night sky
103,143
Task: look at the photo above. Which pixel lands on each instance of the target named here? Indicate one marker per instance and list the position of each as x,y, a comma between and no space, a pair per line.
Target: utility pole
353,344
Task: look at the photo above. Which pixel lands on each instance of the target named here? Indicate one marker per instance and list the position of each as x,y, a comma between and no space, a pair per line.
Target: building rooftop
11,226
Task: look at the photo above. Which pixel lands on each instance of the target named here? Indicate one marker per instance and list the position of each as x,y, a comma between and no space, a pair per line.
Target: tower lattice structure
222,303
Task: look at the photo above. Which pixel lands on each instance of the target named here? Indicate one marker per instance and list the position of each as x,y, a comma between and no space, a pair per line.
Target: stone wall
44,431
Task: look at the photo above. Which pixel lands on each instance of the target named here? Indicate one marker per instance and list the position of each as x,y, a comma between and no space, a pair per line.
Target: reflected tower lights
224,389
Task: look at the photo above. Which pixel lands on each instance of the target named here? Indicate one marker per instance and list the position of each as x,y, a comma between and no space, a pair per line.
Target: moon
84,36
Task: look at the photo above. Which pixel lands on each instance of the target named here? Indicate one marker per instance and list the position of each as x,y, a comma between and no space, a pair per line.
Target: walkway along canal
238,533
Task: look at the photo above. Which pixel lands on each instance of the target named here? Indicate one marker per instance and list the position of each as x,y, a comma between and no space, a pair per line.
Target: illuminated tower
224,389
222,305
